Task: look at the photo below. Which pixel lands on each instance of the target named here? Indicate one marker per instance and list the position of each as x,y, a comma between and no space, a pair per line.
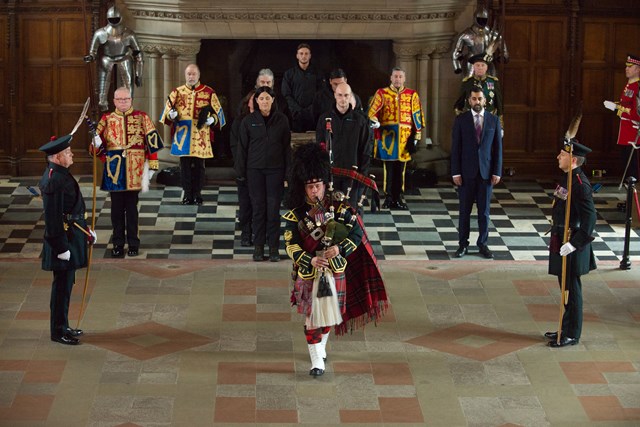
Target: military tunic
63,208
581,223
490,88
628,112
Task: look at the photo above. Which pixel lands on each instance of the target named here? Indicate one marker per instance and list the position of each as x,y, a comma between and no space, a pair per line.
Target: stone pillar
169,82
154,86
434,115
422,86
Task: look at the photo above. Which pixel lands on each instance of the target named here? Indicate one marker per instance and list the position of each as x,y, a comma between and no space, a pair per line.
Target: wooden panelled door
52,87
534,83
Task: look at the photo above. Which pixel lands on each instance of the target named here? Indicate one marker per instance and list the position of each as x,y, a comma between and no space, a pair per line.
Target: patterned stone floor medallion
474,341
147,340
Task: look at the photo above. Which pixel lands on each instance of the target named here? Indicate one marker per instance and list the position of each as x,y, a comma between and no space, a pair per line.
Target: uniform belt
74,217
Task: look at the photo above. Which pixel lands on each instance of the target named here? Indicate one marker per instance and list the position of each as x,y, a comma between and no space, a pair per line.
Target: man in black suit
476,166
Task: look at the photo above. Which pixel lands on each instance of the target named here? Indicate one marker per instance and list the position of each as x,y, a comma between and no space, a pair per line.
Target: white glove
97,141
610,105
374,124
94,235
566,249
146,177
173,114
65,256
210,120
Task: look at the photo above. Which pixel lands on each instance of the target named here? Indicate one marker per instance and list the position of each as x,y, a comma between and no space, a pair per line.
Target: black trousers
634,165
572,317
59,303
394,178
476,191
124,215
265,190
192,176
245,212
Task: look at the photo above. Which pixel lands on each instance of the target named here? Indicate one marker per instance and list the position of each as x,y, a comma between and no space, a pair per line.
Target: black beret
56,145
575,148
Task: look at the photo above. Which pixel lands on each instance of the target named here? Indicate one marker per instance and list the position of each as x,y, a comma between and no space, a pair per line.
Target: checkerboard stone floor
168,230
193,333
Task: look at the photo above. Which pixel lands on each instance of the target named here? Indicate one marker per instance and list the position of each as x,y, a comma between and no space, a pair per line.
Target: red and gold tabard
128,139
186,138
401,118
628,111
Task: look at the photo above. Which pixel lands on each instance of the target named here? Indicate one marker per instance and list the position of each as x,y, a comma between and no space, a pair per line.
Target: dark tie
478,128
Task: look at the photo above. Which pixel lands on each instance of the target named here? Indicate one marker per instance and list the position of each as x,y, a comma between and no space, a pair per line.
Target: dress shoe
387,202
245,240
198,200
398,205
485,251
73,332
622,206
258,253
67,340
316,372
460,252
133,251
117,252
187,201
564,341
274,254
553,335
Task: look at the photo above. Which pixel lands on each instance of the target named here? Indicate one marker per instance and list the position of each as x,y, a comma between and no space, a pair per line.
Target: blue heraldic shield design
388,143
181,144
116,171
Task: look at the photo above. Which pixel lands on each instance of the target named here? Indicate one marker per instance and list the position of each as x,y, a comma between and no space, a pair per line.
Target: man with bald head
351,142
192,111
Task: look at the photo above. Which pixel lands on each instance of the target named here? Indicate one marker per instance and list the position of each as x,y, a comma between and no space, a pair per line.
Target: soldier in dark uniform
66,234
577,249
489,84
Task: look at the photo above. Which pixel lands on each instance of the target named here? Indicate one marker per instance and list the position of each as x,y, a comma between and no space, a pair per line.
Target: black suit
476,163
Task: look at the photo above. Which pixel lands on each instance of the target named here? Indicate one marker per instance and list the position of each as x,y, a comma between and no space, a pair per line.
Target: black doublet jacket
63,206
263,144
351,136
582,222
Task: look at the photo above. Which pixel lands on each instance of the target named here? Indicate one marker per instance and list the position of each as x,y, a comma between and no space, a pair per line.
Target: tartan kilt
302,293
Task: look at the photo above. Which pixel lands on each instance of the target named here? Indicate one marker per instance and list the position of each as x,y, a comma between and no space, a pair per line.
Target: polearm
94,168
564,294
94,156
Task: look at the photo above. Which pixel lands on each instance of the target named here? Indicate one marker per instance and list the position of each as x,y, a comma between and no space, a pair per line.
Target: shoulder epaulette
492,77
466,78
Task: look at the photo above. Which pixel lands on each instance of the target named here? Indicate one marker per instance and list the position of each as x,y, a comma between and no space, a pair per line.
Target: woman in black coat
263,160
